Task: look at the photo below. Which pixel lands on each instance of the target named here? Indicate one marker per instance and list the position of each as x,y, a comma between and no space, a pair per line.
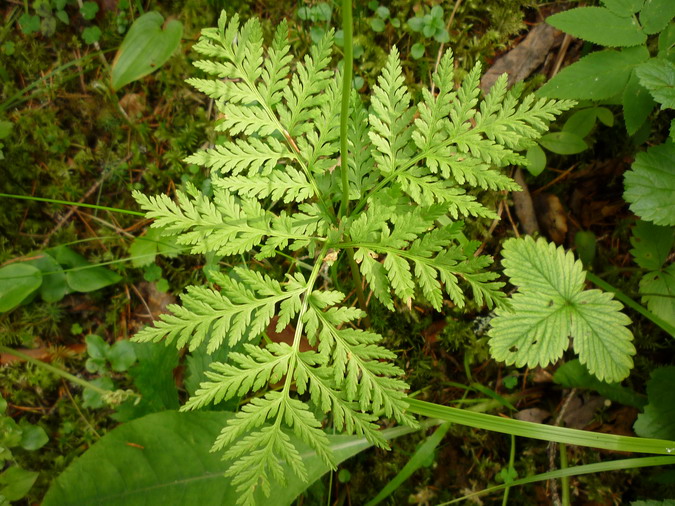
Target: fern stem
347,64
358,283
299,327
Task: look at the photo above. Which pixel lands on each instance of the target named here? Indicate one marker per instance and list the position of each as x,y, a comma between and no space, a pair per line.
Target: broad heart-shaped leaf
650,185
656,14
600,26
164,458
658,420
598,76
17,281
551,306
658,76
146,47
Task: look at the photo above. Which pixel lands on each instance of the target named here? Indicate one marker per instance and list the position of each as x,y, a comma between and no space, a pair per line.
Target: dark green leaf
605,116
623,7
563,143
574,374
17,281
377,24
382,12
600,26
658,420
91,34
637,104
121,355
650,185
667,42
598,76
97,348
537,160
585,242
146,47
91,398
89,10
651,244
153,377
417,51
29,24
581,122
164,458
33,437
54,286
416,24
656,14
658,76
16,482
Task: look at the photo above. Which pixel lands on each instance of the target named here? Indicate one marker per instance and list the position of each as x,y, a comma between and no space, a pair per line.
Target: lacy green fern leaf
277,177
551,306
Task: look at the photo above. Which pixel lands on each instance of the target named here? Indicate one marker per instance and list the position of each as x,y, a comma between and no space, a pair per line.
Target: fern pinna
277,188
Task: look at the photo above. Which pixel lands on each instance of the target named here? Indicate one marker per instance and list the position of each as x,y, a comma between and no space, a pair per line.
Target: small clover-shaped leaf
551,306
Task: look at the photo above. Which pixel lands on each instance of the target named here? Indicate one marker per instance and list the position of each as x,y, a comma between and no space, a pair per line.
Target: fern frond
287,185
254,370
254,156
304,97
241,310
392,114
362,175
431,256
227,225
277,64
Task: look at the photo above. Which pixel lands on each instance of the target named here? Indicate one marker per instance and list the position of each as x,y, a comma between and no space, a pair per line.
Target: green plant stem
69,203
614,465
512,462
347,64
670,329
55,370
564,480
356,277
542,431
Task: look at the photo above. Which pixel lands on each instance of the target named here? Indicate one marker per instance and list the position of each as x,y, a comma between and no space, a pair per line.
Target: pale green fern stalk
277,184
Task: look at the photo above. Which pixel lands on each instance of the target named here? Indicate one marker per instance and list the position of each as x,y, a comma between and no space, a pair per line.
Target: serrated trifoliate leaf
650,185
658,76
658,420
551,306
598,76
656,14
600,26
